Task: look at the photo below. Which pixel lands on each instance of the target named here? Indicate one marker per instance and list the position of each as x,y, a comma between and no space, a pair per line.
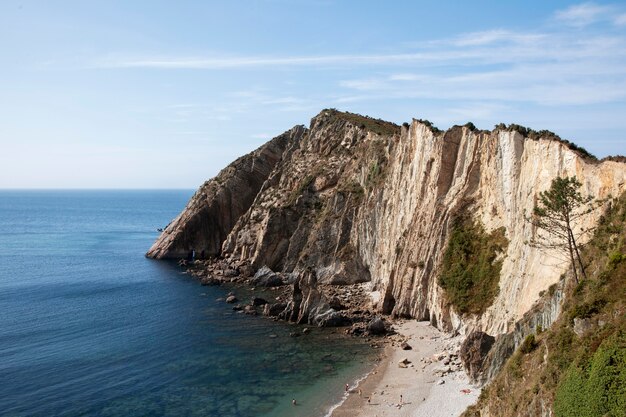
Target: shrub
529,344
615,258
471,271
596,387
586,310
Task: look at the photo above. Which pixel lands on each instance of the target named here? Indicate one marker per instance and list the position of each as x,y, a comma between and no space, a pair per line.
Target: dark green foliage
470,126
430,125
570,397
615,258
556,214
597,387
470,272
529,344
586,310
545,134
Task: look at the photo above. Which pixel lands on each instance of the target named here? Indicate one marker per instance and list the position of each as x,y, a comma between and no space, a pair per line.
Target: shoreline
430,384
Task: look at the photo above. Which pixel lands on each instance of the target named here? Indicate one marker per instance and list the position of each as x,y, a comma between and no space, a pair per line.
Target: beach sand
423,392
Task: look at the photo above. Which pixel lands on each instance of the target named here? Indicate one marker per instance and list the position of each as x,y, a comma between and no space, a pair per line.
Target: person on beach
347,387
294,402
400,399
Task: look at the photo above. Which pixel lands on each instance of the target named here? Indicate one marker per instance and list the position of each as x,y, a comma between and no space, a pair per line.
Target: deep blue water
89,326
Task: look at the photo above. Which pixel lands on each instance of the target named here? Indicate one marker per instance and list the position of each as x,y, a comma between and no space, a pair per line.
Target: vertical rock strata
355,199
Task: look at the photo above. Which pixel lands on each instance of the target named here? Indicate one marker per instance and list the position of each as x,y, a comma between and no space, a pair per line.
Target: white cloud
584,14
620,20
495,36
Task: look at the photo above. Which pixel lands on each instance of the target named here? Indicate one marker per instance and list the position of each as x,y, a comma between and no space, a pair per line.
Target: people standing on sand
360,393
400,399
347,387
294,402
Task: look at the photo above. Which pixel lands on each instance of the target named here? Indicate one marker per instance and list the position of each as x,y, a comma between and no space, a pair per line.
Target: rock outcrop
358,200
217,205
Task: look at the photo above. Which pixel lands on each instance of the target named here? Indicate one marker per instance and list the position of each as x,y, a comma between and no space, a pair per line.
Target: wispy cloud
491,37
583,14
552,66
620,19
216,63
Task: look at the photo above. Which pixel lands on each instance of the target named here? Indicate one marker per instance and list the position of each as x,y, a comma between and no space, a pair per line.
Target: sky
163,94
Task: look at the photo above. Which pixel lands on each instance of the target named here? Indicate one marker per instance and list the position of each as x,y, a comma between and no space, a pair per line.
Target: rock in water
257,301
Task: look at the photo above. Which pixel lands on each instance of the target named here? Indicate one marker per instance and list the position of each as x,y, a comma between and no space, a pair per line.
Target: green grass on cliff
581,375
471,269
378,126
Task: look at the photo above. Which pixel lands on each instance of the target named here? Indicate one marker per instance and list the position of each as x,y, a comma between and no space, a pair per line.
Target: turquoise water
89,327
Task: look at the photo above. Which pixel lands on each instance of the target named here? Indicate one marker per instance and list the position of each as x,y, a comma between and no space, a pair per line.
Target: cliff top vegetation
378,126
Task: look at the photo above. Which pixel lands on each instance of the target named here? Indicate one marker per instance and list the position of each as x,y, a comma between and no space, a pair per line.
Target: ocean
90,327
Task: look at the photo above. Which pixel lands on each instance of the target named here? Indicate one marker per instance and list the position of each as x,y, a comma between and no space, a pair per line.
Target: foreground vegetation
578,367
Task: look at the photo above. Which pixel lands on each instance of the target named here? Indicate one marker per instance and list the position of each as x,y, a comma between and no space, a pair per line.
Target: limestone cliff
354,199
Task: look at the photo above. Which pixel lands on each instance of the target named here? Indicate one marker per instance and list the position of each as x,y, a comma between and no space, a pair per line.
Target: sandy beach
430,382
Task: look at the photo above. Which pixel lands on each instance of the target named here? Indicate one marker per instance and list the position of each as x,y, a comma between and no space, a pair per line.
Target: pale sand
422,396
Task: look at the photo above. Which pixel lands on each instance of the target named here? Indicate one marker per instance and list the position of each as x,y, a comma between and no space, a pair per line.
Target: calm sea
89,327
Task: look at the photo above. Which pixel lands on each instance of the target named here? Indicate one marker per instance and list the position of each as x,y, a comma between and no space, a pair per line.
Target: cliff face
354,199
217,205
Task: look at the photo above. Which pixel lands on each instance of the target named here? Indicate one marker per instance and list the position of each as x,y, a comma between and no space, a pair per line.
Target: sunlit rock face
354,199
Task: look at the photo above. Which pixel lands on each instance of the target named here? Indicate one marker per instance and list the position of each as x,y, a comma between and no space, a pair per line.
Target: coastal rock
265,277
257,301
273,310
250,310
377,326
231,299
209,280
406,346
474,351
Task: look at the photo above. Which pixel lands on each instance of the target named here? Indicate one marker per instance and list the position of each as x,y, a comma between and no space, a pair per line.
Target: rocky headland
347,223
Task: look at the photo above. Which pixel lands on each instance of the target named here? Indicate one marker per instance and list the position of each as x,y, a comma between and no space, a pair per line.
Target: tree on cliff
557,212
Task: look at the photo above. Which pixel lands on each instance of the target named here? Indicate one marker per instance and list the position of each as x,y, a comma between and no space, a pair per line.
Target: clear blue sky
163,94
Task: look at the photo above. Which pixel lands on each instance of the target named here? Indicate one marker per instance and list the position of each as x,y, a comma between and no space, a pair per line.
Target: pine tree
557,213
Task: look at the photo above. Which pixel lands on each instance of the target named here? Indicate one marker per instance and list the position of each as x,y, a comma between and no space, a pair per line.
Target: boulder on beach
377,326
